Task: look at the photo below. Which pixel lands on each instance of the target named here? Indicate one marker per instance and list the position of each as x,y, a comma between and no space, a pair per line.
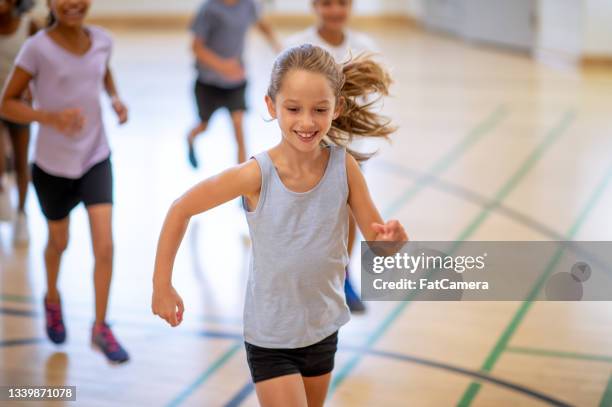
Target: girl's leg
237,116
102,337
282,391
56,245
316,389
100,221
20,139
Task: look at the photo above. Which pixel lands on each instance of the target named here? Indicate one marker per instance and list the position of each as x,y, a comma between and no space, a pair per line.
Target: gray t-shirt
295,289
223,27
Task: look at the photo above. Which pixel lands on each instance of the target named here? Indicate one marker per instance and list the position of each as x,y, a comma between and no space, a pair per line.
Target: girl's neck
332,37
297,159
69,32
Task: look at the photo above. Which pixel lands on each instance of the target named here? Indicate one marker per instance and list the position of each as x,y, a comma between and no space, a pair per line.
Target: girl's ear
271,106
339,108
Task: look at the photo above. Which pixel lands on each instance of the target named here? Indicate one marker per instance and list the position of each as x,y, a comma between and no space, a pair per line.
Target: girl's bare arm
244,179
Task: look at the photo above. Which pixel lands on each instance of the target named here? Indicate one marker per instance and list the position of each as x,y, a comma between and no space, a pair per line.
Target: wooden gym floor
491,146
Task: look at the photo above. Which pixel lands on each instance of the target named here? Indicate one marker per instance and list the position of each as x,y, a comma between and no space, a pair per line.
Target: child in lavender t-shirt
67,68
62,81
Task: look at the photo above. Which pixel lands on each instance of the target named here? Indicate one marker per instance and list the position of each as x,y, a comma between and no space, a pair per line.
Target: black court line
19,312
490,204
220,335
248,388
20,342
466,372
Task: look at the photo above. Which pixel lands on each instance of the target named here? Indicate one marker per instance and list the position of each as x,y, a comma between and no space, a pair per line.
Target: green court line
606,400
523,169
559,354
450,157
205,375
503,341
527,165
478,132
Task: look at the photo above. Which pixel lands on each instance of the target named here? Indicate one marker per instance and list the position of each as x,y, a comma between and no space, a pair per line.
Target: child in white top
331,33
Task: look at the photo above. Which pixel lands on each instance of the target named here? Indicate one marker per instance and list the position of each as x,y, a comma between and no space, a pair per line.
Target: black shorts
210,98
12,126
310,361
59,195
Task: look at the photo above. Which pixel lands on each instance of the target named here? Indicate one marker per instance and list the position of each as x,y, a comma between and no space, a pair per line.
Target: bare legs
20,140
100,221
293,390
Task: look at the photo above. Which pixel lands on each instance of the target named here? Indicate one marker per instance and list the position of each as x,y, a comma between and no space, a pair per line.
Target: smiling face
70,13
333,14
305,106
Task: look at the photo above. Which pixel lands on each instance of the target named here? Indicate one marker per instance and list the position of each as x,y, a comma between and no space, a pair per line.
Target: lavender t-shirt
63,80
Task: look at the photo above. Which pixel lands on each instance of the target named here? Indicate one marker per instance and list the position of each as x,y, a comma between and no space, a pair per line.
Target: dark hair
50,19
23,6
354,82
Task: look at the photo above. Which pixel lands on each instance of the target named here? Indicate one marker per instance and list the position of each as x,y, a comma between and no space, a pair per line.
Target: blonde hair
352,82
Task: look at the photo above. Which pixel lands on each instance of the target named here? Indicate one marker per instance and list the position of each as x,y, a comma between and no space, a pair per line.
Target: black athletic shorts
12,126
210,98
58,195
310,361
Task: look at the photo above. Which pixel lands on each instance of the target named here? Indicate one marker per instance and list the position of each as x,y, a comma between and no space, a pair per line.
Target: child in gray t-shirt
219,31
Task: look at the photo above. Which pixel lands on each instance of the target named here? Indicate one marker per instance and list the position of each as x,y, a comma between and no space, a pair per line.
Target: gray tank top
295,289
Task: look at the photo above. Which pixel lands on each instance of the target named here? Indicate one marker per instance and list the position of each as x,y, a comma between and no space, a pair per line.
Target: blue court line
501,194
205,375
481,129
120,309
242,395
19,342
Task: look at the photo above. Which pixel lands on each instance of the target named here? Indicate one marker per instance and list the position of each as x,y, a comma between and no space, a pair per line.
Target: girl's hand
168,305
68,121
120,109
392,231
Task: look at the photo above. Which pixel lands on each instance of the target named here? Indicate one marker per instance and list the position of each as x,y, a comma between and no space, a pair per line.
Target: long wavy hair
357,83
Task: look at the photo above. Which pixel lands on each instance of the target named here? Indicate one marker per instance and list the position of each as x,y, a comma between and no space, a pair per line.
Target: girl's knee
58,242
103,251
